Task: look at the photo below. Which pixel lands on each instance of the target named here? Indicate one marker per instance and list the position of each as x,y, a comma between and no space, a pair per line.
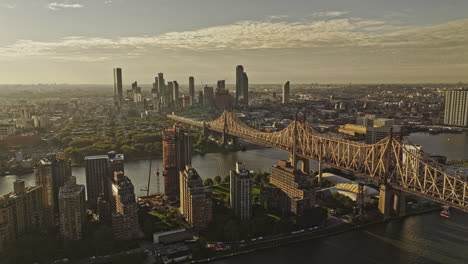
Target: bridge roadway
390,162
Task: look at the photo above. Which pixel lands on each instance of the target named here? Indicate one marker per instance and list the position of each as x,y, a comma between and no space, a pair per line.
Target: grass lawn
160,222
222,188
463,165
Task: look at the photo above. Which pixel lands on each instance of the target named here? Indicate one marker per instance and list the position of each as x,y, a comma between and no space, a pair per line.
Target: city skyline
308,41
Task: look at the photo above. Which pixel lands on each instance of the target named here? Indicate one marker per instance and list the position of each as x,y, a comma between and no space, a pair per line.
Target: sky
303,41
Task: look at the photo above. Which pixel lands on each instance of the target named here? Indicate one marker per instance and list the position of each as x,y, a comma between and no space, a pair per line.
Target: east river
418,239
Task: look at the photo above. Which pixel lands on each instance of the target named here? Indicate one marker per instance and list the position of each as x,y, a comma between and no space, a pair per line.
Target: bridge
395,165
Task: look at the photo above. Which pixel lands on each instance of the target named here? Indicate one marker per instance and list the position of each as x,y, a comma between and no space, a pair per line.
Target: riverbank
327,232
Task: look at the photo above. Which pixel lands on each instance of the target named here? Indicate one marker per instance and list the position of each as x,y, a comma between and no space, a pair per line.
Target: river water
419,239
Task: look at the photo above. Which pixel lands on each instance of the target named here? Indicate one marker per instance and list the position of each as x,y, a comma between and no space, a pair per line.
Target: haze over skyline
302,41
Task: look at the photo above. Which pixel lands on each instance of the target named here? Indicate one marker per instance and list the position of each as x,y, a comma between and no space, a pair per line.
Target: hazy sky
80,41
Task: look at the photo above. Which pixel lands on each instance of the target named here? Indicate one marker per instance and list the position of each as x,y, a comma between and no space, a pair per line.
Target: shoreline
308,237
251,147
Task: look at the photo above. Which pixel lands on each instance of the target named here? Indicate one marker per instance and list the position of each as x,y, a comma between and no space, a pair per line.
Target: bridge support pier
391,201
224,138
399,203
294,159
385,200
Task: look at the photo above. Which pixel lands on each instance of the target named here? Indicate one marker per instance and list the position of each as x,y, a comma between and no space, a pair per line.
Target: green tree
218,179
208,182
227,178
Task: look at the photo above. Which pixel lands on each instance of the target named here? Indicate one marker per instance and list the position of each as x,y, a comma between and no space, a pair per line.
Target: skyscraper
170,94
118,87
161,83
125,216
241,192
72,204
286,93
177,153
208,96
175,94
155,98
456,107
195,201
164,103
192,90
242,86
239,82
136,90
222,98
245,93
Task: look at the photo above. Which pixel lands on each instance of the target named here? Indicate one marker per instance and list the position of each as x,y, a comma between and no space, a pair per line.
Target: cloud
277,16
337,33
65,5
330,14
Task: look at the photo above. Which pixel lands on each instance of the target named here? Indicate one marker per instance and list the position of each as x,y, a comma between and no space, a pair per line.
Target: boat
445,212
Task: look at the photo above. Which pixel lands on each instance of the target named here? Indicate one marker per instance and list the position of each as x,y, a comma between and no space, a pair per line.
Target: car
253,239
260,238
242,241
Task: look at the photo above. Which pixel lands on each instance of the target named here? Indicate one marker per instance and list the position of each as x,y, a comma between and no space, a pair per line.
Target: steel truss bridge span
390,161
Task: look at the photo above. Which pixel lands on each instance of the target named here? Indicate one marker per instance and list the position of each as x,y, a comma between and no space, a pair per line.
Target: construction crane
149,180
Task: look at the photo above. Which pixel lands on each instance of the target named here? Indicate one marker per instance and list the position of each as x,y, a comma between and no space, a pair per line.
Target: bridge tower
294,158
224,134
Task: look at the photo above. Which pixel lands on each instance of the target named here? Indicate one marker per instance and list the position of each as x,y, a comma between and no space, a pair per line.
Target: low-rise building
297,193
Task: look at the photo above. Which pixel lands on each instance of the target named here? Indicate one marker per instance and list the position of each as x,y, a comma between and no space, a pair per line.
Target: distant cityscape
189,216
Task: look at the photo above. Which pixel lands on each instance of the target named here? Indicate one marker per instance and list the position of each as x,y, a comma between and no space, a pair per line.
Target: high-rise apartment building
456,108
195,201
51,174
297,192
118,86
192,90
286,93
21,212
241,192
125,216
177,153
99,171
72,204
